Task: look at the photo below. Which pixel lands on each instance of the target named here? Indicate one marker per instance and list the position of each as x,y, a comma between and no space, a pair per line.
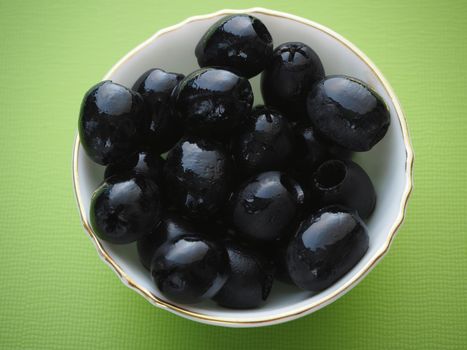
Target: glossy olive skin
240,43
110,122
212,101
171,228
311,150
125,208
265,206
348,112
156,86
249,280
346,183
190,269
290,75
197,176
326,246
143,163
264,142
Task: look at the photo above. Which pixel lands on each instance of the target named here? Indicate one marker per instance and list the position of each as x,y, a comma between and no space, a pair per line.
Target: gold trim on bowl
298,311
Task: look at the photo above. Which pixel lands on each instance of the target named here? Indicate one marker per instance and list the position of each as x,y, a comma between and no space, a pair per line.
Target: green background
55,293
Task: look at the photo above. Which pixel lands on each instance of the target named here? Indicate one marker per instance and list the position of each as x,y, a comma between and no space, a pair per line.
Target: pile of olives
222,197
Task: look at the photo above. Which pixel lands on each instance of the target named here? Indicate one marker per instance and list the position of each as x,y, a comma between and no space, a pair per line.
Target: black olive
326,246
147,246
275,251
156,86
171,228
190,269
282,273
197,177
142,163
250,278
312,150
125,208
348,112
266,205
111,120
292,72
264,142
240,43
346,183
212,101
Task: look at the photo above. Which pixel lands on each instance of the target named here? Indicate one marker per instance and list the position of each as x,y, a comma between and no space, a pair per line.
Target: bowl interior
385,163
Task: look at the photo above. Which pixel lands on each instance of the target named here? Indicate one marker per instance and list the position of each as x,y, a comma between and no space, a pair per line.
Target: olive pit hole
261,30
330,174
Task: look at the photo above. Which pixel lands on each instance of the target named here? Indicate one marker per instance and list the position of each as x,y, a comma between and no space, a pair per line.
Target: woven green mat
55,293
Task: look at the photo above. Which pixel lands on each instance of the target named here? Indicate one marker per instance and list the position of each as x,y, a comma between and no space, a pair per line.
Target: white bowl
389,164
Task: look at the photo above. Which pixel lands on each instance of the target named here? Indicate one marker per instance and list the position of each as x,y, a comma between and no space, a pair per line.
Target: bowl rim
299,311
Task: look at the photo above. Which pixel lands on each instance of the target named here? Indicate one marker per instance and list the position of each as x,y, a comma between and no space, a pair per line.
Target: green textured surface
55,293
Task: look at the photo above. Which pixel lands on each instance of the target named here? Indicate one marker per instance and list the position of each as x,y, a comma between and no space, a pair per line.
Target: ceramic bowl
389,164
